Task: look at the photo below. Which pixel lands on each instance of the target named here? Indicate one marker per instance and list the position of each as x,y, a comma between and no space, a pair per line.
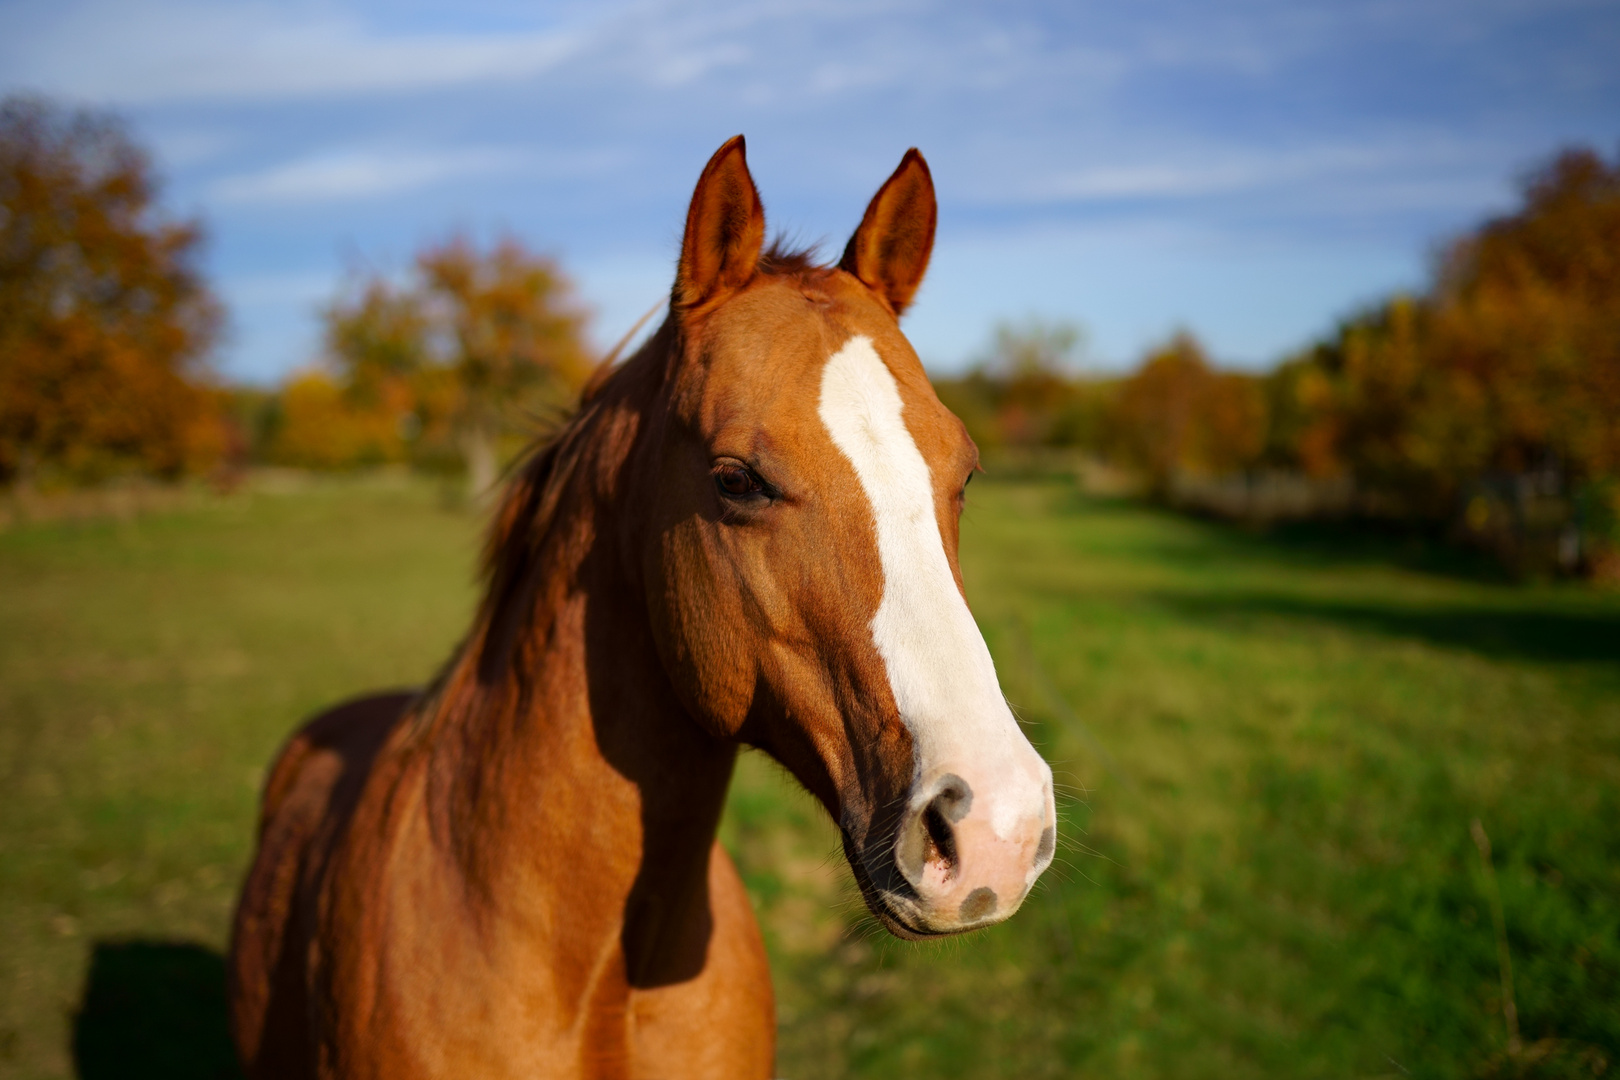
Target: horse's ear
889,252
725,228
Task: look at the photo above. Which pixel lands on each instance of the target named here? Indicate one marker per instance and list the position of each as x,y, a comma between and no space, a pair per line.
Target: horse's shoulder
341,742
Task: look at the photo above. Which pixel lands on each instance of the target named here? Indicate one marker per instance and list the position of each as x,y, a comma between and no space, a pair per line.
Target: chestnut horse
746,535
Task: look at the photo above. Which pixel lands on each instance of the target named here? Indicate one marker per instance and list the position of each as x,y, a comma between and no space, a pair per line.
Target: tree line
1488,403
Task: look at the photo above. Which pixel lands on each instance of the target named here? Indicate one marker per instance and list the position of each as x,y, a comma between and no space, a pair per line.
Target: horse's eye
736,482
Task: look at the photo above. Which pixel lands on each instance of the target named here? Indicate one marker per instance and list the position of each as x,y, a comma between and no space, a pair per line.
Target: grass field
1272,747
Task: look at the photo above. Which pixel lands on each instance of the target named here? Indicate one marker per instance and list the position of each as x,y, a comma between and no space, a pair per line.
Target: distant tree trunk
478,447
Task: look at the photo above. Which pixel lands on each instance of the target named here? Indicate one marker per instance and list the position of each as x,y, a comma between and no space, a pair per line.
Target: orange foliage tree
470,350
1378,404
1527,311
1177,414
105,320
1507,367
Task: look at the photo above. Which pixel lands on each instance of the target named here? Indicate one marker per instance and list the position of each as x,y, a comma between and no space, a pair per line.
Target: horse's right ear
725,229
889,252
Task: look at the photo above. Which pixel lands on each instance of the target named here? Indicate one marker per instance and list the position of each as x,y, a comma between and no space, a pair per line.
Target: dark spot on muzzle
980,903
1043,850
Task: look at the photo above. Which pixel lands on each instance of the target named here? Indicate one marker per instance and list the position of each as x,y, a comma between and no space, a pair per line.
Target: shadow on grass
154,1009
1495,632
1411,546
1418,546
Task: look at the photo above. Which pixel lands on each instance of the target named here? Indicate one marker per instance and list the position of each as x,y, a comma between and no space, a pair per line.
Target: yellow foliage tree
1508,366
1177,414
478,344
320,426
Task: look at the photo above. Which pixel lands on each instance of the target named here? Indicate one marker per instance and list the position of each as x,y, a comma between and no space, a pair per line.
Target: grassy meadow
1272,748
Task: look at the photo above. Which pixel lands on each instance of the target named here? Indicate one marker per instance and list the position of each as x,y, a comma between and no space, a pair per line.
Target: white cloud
359,174
185,147
180,50
1225,170
1142,181
355,174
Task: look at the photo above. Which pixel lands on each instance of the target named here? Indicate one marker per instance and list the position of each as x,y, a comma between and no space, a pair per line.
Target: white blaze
939,668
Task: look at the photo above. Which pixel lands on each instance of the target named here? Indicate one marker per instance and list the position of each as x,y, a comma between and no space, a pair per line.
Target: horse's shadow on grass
1497,633
154,1009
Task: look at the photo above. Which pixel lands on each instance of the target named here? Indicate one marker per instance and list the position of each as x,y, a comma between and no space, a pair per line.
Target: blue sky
1251,170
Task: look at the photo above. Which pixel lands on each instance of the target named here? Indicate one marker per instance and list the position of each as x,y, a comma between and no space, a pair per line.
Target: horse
746,535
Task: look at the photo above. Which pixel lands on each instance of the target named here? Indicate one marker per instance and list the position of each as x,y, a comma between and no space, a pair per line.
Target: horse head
804,486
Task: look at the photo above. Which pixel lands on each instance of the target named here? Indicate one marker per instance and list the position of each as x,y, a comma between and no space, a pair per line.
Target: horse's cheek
706,658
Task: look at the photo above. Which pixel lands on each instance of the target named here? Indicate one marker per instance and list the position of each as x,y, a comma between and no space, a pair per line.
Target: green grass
1271,746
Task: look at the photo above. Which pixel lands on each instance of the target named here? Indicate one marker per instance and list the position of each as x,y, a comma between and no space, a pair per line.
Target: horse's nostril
955,798
930,836
1048,845
940,833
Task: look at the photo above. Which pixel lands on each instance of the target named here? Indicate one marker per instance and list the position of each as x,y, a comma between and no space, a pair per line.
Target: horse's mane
533,495
533,491
530,498
782,259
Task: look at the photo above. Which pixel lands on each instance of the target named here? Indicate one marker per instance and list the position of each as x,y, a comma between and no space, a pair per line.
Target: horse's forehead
768,370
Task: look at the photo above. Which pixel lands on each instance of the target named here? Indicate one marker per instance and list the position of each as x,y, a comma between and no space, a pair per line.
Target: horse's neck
572,771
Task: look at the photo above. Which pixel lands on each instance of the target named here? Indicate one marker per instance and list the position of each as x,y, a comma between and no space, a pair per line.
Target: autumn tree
1527,313
1379,403
1177,414
481,341
1034,348
105,319
320,424
1508,365
1024,389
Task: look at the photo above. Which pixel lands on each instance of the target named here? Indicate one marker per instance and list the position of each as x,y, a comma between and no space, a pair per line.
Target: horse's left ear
889,252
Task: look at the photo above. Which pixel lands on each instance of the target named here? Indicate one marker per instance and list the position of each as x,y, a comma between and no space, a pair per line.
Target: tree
1380,402
1508,365
320,426
1176,414
105,320
1033,348
480,338
1527,309
1023,391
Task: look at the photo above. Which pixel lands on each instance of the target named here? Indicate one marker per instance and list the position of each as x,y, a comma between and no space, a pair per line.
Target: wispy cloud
334,176
1177,174
354,175
180,50
1331,125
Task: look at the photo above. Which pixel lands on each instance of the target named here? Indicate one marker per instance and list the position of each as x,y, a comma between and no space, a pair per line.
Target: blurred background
1290,333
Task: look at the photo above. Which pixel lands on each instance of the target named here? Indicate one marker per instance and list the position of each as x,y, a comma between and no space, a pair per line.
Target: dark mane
529,497
523,524
529,500
787,260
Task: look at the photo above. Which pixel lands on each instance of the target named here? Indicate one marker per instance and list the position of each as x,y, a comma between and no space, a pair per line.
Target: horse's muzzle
964,855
